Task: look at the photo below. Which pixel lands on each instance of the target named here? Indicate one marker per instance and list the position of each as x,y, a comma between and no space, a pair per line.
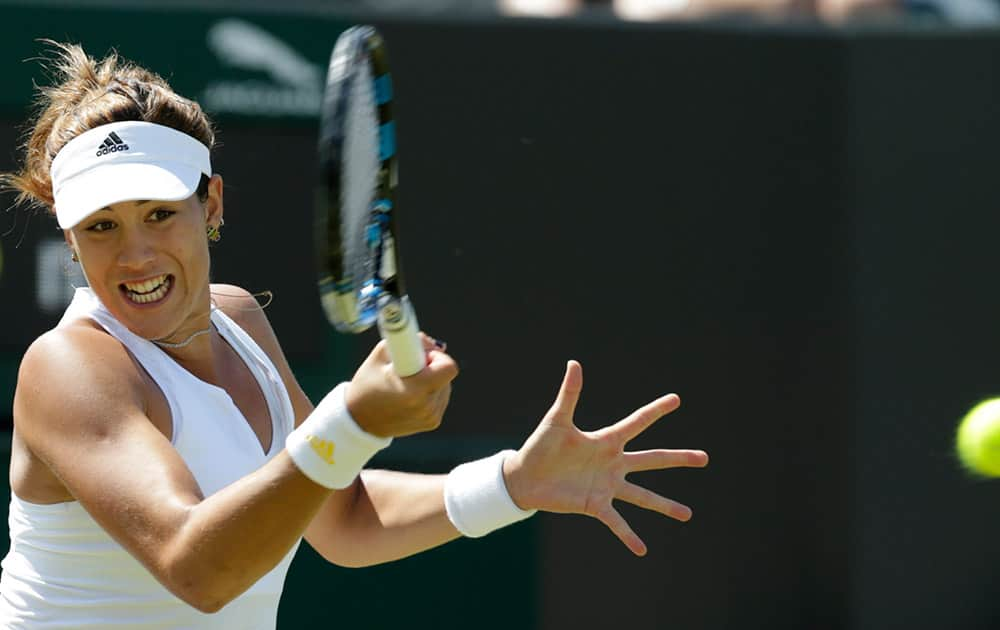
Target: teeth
147,285
148,291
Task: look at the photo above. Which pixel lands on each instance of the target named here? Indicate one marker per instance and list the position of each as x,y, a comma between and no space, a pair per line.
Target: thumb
564,407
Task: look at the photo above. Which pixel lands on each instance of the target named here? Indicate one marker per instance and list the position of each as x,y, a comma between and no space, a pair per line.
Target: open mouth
148,291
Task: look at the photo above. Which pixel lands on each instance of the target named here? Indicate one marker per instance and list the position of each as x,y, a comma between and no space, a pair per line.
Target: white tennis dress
64,571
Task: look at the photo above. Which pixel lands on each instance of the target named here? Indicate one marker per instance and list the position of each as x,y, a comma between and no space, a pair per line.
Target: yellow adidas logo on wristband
322,448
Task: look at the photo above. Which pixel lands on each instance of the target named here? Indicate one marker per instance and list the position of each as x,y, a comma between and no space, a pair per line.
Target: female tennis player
166,464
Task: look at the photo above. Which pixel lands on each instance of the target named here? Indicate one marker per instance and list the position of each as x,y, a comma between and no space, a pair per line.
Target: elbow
342,550
210,607
356,563
202,580
206,600
338,557
198,568
205,588
209,603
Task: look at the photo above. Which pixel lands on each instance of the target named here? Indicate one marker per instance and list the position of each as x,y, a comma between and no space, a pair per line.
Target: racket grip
397,323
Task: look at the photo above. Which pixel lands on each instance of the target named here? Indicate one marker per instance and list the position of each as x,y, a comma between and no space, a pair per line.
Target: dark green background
793,226
493,580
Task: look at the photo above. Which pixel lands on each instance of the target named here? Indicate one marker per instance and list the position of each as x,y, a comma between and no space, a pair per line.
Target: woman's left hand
563,469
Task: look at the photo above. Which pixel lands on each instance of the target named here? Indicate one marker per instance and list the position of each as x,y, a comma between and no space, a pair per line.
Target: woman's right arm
80,407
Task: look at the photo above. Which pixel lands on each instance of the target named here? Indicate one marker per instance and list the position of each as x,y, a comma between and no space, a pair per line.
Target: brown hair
85,94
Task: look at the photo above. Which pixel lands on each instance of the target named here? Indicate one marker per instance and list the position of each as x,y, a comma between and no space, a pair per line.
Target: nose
136,251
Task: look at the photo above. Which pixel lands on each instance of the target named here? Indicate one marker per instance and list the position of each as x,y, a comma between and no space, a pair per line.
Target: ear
71,243
214,205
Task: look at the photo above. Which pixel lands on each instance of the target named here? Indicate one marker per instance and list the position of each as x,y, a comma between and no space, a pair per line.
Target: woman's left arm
385,515
558,469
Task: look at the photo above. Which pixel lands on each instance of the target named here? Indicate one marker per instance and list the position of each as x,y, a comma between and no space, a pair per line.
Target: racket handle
397,323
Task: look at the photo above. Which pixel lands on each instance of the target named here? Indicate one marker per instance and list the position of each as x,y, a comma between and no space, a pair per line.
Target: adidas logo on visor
111,144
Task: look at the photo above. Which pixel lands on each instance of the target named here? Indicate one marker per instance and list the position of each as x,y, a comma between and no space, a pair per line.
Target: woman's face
148,262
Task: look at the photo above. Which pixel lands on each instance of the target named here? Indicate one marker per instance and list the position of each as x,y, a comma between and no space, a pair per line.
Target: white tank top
64,571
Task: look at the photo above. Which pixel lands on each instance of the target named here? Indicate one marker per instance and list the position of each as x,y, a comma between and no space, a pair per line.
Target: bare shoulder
244,309
77,389
74,367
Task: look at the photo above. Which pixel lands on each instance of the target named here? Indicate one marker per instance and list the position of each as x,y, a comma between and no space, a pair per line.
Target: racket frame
383,299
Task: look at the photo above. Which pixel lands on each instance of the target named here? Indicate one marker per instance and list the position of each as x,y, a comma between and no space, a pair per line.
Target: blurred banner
260,77
259,65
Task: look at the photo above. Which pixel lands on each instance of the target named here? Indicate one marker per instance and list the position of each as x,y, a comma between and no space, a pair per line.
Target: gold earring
214,234
74,257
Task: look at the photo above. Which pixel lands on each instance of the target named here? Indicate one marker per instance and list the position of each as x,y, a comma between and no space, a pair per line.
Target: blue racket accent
368,304
373,235
387,140
370,292
383,89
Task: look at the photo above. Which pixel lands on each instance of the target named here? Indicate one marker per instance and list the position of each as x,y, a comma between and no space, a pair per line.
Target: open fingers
569,394
641,419
660,459
649,500
620,527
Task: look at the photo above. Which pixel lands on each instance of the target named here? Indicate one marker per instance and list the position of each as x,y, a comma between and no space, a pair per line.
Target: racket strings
363,237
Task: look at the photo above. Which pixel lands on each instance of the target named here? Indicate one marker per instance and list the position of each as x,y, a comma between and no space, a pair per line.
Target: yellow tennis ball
978,440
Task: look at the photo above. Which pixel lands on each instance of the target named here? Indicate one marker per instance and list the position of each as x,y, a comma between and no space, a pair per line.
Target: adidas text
112,149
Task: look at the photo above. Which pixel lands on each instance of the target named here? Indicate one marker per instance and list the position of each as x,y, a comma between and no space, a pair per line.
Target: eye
101,226
161,214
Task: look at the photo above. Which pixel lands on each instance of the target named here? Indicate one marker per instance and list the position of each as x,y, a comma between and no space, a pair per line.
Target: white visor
125,161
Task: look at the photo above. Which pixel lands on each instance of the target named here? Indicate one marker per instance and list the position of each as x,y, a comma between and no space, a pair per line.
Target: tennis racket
360,279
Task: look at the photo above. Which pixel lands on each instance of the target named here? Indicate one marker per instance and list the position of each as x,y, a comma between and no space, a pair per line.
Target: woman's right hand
388,405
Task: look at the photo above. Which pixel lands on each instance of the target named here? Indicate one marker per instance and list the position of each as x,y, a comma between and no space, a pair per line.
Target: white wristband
477,500
329,447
